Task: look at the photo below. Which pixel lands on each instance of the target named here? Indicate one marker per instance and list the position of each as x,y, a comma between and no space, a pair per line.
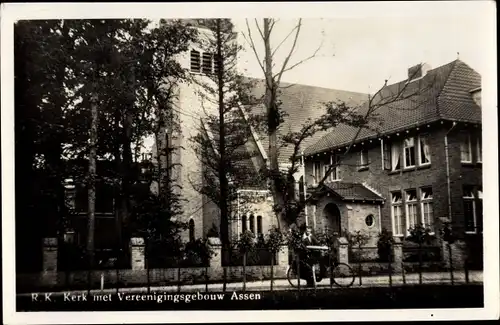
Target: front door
331,214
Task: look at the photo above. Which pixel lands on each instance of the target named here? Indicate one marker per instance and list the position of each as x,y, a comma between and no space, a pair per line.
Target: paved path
283,284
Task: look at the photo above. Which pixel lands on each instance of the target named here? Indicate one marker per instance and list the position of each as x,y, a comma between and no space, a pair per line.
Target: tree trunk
117,186
127,160
273,122
272,270
92,179
244,271
223,181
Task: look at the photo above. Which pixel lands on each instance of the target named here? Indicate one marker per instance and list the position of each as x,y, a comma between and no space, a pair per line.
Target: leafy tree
74,74
274,243
385,245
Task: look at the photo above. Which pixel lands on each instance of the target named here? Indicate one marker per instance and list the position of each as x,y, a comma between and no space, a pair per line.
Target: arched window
259,224
191,230
243,223
252,223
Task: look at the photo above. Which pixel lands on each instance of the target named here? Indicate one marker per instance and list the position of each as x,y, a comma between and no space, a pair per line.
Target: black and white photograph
198,162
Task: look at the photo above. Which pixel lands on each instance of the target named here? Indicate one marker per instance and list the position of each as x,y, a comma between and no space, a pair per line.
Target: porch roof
353,192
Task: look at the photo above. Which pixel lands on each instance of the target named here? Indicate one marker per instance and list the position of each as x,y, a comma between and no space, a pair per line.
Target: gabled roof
443,93
300,102
248,173
352,192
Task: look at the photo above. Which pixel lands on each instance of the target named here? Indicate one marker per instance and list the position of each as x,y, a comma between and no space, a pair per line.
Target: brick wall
131,278
385,181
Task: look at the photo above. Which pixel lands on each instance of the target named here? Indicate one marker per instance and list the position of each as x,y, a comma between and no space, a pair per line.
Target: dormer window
418,71
476,95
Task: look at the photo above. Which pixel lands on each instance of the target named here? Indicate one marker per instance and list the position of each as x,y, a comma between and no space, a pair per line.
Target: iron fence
255,270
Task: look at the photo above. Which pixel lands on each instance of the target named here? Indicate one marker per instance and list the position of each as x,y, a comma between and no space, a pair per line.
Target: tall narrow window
191,230
425,154
395,156
335,174
409,152
386,163
479,210
207,63
479,149
397,213
316,172
302,194
243,223
363,159
326,167
465,149
259,224
252,223
216,65
195,61
469,209
411,209
427,209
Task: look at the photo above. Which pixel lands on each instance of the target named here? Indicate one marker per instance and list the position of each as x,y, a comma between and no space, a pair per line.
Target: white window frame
412,203
479,148
466,142
472,199
335,171
399,205
404,152
396,145
480,197
316,172
424,136
363,159
427,201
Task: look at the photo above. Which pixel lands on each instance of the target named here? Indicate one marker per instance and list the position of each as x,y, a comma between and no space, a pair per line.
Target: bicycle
341,274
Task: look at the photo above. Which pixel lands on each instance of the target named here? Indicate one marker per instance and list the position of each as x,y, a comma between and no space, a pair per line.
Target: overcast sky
363,43
358,54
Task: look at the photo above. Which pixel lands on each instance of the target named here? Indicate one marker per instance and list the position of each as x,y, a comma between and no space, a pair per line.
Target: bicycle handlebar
324,248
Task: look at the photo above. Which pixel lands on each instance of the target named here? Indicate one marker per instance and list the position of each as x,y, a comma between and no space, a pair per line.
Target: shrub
420,235
384,245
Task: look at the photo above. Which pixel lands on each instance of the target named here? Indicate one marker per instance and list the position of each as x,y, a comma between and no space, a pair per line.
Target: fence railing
254,269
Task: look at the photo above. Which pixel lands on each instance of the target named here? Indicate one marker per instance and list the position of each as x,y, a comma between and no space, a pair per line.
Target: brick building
419,162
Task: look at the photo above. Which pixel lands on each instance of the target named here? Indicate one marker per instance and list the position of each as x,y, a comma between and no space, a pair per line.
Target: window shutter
207,63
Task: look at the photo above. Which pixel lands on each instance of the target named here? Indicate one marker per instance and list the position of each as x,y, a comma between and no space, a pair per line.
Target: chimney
418,71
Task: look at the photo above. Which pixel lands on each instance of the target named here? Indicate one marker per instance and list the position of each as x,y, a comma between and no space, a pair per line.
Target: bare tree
286,205
220,144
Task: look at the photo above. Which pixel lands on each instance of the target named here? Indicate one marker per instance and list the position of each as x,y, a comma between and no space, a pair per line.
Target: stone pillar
343,250
49,262
215,246
398,254
49,255
458,254
137,253
283,256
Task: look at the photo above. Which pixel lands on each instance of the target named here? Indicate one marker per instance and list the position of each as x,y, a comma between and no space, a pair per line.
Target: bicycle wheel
343,275
291,276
